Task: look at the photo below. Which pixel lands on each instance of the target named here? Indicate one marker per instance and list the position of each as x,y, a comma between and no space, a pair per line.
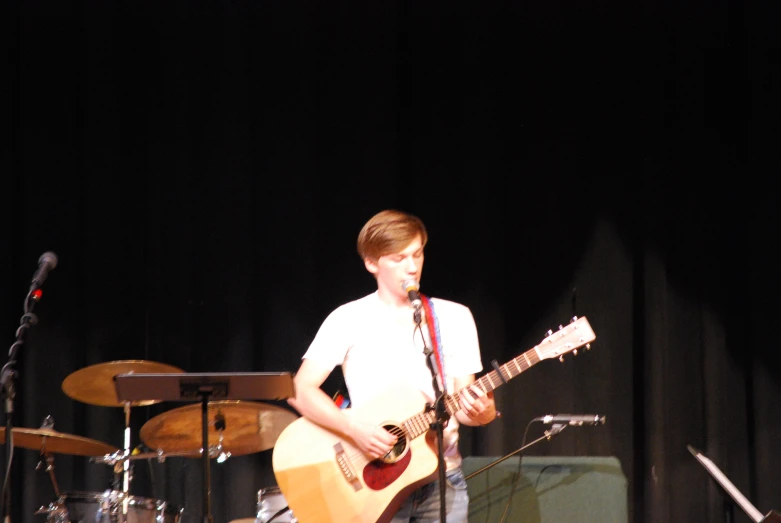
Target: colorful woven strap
434,335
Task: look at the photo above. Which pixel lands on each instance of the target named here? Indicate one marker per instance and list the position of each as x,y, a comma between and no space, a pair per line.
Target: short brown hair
388,232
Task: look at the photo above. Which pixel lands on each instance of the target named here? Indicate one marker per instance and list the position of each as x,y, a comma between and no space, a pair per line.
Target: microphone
46,263
572,419
412,287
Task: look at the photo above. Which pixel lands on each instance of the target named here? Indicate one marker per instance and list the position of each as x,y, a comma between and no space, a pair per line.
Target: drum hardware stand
205,387
49,458
217,451
205,394
48,423
55,507
126,469
117,457
122,468
126,465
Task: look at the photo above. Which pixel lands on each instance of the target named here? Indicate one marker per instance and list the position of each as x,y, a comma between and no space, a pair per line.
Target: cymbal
95,384
248,427
52,441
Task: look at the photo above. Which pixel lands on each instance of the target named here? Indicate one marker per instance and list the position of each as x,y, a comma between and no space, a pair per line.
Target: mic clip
556,428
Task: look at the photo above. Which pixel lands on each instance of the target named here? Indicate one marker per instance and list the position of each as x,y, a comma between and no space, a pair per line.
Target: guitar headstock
567,339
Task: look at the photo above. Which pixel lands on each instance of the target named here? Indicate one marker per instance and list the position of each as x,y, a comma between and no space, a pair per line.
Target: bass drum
270,503
110,506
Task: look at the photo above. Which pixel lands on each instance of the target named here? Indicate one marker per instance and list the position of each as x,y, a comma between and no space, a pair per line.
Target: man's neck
393,300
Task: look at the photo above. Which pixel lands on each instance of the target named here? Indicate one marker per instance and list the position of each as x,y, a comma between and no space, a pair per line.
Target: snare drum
108,507
270,502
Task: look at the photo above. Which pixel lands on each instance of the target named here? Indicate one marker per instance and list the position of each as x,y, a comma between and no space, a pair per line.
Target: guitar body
326,479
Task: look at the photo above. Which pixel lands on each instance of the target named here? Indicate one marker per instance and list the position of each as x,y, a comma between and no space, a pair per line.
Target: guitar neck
568,339
421,423
504,373
496,378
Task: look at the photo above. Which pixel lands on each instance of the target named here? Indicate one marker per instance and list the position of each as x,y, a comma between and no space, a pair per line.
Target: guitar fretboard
421,423
575,335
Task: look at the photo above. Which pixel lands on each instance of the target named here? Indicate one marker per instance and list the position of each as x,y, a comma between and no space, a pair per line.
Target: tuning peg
548,333
561,327
574,319
561,358
588,346
575,352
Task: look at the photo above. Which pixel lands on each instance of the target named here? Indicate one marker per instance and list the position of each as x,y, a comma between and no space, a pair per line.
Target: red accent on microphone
36,294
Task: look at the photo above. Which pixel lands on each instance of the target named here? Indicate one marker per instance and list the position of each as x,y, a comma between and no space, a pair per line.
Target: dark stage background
202,170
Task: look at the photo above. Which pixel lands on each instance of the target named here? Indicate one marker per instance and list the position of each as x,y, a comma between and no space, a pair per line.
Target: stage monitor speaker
549,489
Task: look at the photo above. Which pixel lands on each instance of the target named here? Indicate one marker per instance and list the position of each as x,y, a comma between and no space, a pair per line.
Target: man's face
392,270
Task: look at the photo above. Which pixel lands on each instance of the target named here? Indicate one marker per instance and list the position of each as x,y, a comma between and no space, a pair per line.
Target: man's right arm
314,404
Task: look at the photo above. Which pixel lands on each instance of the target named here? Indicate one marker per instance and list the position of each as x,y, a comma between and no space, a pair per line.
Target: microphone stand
548,435
8,392
440,418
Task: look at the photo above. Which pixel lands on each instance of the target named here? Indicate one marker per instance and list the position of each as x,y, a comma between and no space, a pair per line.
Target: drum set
235,428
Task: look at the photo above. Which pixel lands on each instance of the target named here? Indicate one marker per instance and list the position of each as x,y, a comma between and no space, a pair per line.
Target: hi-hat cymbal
246,427
95,384
52,441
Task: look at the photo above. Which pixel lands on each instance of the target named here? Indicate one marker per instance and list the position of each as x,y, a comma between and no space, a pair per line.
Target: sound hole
399,448
382,472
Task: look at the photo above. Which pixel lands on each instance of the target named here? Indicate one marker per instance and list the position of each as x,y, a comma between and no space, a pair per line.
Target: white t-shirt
377,352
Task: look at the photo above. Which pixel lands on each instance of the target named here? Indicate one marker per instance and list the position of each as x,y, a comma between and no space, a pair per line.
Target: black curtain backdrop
202,170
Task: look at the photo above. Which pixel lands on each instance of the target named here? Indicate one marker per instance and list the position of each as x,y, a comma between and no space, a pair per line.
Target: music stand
204,387
728,487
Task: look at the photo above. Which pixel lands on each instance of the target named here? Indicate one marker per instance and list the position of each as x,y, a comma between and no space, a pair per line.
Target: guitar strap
434,336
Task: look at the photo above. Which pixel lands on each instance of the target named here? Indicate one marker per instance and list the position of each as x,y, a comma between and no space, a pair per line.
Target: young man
379,341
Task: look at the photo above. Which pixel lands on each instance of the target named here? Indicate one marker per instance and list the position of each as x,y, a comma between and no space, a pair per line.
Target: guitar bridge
344,464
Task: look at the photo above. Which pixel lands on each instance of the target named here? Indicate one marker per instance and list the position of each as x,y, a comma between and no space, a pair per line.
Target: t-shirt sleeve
461,345
331,343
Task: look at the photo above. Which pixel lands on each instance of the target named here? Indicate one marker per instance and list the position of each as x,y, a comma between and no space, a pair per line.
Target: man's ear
371,265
